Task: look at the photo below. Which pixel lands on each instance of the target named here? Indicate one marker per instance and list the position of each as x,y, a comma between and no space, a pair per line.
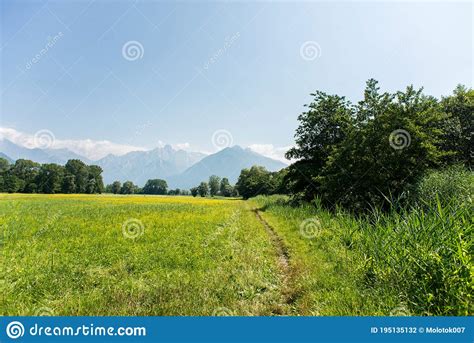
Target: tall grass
416,259
424,256
453,185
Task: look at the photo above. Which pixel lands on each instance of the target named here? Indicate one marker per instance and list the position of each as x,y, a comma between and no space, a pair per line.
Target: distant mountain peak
227,162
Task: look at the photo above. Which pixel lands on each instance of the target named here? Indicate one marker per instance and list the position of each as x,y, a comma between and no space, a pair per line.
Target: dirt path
283,265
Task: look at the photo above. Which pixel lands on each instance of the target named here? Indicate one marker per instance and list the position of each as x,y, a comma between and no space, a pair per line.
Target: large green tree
203,189
155,186
116,187
253,182
80,171
214,183
323,126
95,184
259,181
50,178
128,188
26,171
225,187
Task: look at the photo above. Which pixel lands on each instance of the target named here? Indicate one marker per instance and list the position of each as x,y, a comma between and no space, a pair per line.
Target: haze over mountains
180,168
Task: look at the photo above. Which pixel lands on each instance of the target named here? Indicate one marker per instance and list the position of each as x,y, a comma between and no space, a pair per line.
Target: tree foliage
458,128
26,176
363,154
128,188
155,186
257,180
203,189
214,184
116,187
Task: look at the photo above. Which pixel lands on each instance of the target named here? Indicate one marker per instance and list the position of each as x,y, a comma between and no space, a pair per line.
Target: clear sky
245,67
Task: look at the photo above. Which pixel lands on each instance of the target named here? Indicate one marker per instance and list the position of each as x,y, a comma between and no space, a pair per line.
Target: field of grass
158,255
134,255
413,261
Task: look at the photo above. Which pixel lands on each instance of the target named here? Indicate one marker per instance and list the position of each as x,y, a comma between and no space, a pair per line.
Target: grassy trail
321,279
284,265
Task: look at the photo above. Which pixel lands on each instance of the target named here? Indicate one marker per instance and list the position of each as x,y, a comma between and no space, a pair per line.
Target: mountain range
139,166
180,168
60,156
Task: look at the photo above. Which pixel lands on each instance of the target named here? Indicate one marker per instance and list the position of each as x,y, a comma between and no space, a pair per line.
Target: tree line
152,186
358,155
215,186
25,176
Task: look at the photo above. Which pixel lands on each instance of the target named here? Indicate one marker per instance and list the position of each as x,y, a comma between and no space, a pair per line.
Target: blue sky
207,66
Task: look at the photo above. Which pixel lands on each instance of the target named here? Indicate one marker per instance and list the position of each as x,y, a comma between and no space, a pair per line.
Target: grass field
411,261
152,255
135,255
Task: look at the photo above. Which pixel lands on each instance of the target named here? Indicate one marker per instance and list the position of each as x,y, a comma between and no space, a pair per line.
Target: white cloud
269,150
91,149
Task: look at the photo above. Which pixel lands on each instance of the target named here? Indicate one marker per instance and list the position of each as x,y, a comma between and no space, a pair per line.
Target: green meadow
161,255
